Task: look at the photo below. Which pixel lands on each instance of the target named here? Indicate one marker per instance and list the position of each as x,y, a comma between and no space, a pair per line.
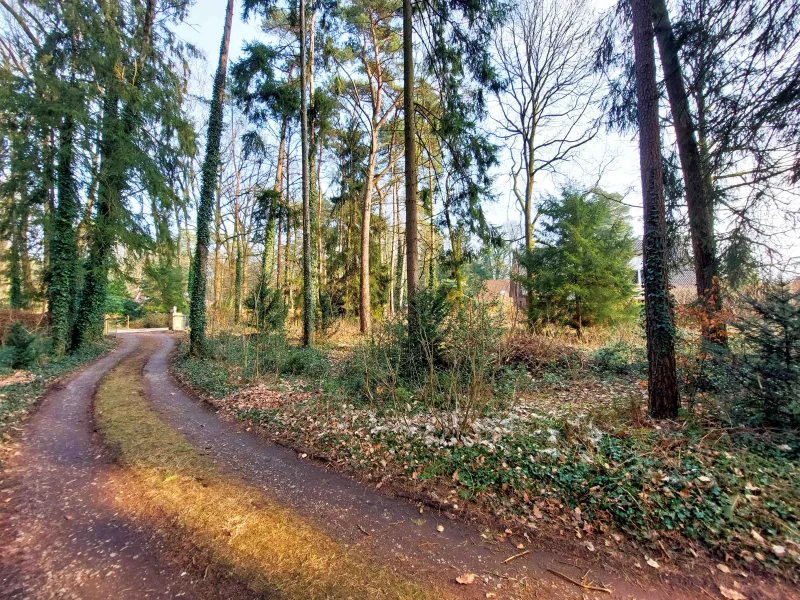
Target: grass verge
18,398
276,552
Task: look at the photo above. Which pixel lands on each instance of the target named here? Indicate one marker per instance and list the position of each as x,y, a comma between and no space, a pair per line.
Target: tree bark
365,308
63,261
237,232
412,234
395,233
197,316
662,377
308,272
696,178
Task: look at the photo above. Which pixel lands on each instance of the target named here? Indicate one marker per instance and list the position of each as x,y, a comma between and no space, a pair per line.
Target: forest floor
124,485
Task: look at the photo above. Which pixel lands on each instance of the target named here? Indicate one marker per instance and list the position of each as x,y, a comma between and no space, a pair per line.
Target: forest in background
289,193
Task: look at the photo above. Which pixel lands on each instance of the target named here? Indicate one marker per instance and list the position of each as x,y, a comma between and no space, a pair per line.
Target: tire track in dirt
392,529
60,535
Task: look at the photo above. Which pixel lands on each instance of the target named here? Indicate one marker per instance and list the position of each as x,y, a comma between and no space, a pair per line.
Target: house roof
497,287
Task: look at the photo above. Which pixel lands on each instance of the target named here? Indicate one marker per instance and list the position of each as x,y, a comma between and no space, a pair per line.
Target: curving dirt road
60,536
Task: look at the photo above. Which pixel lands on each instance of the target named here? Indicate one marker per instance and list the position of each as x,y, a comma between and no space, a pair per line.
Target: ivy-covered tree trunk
197,314
63,260
91,311
664,400
237,283
18,261
696,178
264,295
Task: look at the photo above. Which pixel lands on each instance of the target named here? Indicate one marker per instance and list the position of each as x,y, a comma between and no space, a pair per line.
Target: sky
617,157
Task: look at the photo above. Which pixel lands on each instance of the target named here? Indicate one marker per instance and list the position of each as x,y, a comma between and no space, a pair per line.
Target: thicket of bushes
456,367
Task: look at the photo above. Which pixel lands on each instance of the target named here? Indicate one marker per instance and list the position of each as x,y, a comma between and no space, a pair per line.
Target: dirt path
60,536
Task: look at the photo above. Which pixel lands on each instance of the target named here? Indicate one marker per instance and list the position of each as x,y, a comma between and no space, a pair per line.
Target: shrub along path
229,502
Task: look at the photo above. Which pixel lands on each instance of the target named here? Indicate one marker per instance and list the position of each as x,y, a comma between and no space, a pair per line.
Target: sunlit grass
270,547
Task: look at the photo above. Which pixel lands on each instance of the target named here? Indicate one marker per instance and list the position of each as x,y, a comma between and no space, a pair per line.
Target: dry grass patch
275,551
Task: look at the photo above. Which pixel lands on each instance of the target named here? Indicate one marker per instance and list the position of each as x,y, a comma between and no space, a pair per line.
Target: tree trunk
90,314
320,250
63,261
662,378
412,234
118,124
365,308
197,316
696,178
308,271
237,232
395,233
217,247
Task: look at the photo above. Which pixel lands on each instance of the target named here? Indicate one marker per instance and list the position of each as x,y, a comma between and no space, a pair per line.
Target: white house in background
681,282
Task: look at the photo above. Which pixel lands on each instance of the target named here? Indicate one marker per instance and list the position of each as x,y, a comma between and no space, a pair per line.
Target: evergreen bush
768,365
24,345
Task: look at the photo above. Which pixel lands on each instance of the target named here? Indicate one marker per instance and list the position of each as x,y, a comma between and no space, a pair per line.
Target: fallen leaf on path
731,594
466,579
653,563
723,568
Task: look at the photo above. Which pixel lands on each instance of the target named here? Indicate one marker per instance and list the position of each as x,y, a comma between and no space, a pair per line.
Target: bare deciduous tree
544,55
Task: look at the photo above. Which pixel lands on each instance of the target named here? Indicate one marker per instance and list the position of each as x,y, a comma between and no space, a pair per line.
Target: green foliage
309,362
132,309
769,365
327,313
620,358
459,368
239,360
163,284
17,398
268,308
580,265
660,486
24,344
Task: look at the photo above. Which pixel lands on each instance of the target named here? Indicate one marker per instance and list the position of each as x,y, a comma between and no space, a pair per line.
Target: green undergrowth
238,361
16,399
731,491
